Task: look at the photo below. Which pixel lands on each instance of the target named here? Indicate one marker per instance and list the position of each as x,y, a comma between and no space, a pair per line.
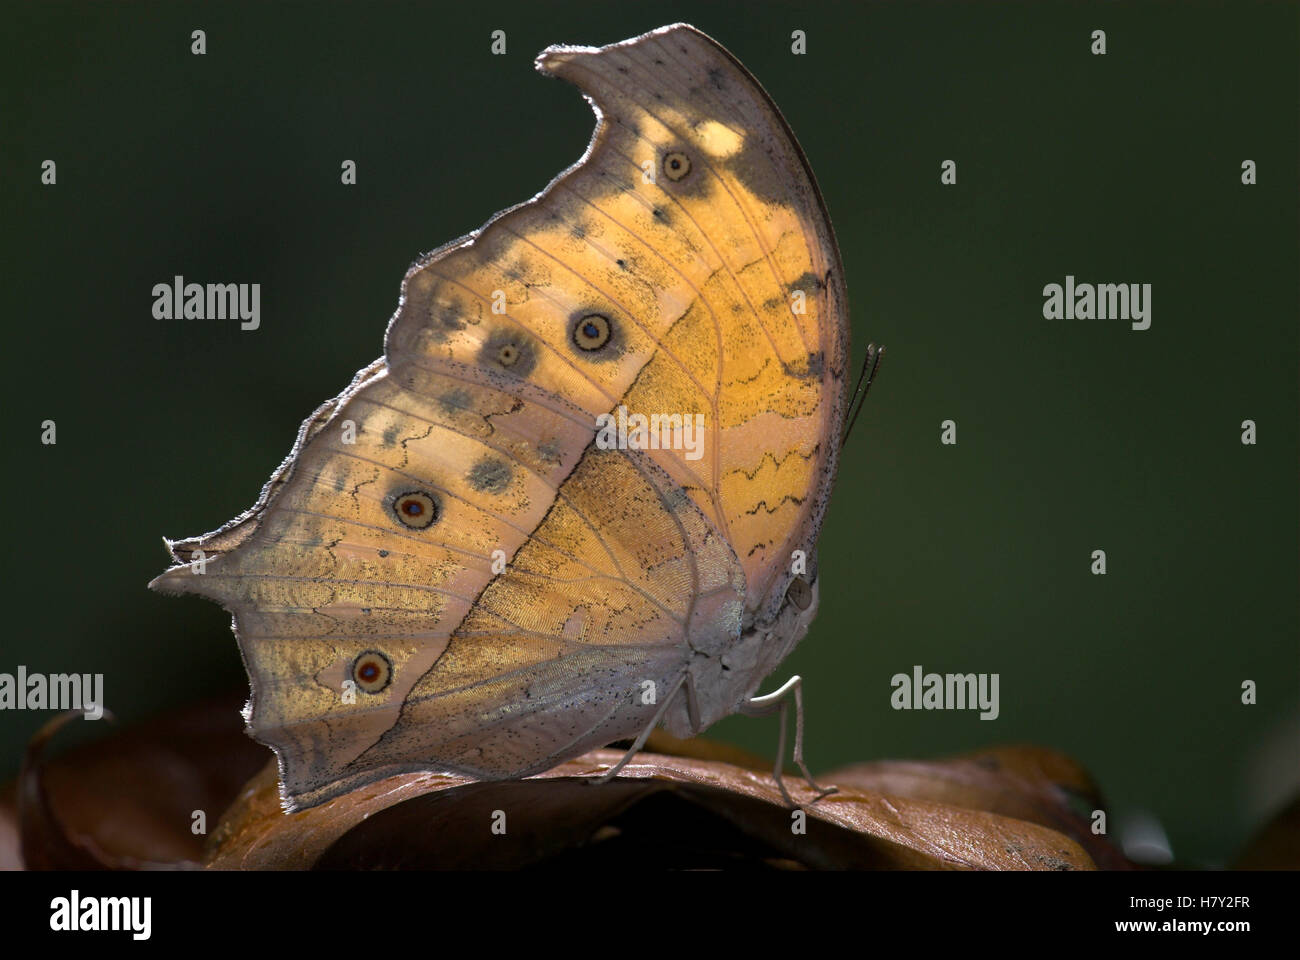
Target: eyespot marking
592,331
509,350
372,672
416,509
676,165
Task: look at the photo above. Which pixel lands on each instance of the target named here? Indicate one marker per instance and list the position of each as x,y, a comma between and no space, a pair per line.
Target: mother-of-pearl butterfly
466,563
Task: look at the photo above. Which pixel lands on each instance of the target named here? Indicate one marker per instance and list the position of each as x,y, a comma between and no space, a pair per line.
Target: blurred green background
1073,435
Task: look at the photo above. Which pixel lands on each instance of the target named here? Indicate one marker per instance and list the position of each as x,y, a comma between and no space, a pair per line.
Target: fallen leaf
428,820
128,799
1029,783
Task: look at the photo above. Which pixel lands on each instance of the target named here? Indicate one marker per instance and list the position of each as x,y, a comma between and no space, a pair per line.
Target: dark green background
1073,435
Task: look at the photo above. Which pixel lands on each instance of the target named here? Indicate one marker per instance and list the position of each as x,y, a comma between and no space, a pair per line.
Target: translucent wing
449,571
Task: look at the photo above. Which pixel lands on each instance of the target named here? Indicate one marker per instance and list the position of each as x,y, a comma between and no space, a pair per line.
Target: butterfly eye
800,593
591,332
508,355
676,166
416,509
372,671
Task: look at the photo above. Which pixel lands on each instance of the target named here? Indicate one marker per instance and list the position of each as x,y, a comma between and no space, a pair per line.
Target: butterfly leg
612,772
779,701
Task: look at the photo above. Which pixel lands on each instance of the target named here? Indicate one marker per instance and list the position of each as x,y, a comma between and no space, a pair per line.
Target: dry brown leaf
126,800
1029,783
438,821
11,857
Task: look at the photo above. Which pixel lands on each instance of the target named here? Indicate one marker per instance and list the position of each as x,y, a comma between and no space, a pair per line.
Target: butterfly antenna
866,377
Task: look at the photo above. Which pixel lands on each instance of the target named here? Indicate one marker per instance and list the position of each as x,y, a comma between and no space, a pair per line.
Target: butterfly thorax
731,673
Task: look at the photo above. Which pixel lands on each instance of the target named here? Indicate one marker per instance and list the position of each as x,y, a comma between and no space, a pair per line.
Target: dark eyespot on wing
511,351
592,331
596,334
415,509
676,165
372,672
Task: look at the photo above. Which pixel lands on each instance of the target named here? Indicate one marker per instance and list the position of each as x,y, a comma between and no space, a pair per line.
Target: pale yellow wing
448,572
694,224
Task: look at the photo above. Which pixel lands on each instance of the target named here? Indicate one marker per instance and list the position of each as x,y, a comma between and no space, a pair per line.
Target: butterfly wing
449,570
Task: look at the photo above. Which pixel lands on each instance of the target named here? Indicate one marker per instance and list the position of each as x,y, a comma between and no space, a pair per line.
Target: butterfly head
796,614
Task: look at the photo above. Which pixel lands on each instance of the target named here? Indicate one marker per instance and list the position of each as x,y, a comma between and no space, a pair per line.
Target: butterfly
580,494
